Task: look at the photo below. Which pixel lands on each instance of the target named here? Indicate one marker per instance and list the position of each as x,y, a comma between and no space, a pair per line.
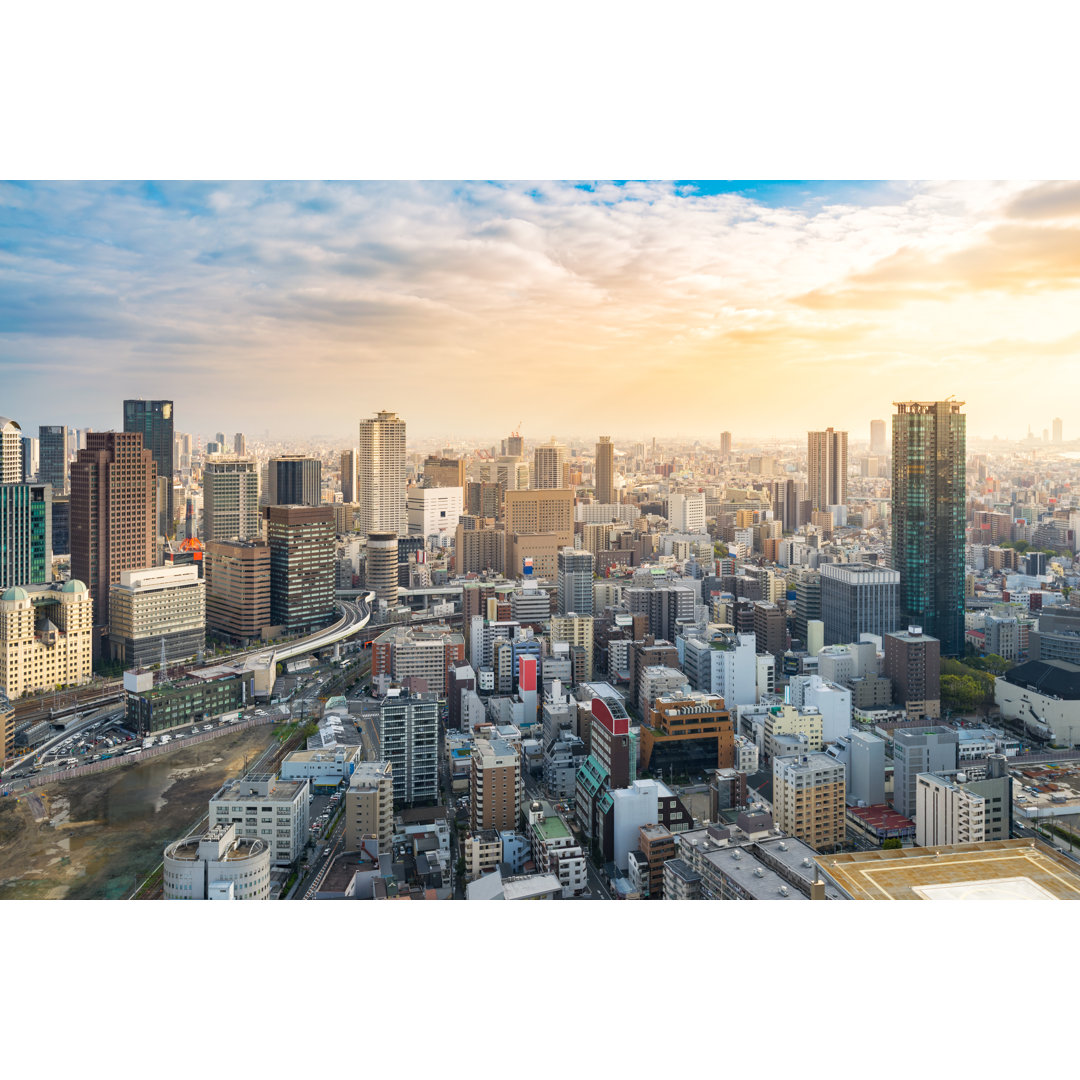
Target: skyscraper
301,540
605,470
113,512
548,461
154,420
928,517
10,451
725,443
230,499
878,446
239,444
857,598
575,581
25,535
827,465
30,461
785,504
294,480
53,457
381,475
1057,429
348,476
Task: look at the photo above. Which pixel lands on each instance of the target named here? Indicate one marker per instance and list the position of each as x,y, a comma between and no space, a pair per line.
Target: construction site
97,837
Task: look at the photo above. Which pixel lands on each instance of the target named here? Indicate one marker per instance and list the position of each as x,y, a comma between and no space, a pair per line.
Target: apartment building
809,799
496,785
369,805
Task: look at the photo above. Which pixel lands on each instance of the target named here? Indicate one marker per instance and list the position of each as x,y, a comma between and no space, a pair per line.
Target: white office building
686,513
433,514
265,808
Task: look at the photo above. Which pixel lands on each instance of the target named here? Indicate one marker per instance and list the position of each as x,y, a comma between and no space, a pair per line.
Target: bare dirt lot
96,837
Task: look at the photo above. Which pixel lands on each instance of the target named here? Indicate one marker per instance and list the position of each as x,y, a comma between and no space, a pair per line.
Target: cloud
575,303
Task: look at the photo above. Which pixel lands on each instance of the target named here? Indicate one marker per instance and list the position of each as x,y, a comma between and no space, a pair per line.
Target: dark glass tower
53,457
154,420
928,492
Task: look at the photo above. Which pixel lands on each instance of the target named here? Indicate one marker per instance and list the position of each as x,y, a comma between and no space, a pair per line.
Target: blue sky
303,306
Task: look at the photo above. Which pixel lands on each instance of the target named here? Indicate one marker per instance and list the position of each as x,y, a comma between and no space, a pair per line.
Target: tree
891,844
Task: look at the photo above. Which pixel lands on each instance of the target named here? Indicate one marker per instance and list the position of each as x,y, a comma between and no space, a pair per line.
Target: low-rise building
483,853
325,767
494,886
956,810
263,807
151,708
687,733
219,865
555,851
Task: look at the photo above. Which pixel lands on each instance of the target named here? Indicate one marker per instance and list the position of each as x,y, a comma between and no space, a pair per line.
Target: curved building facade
217,866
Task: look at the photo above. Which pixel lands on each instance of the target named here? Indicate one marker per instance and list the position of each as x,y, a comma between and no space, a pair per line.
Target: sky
637,308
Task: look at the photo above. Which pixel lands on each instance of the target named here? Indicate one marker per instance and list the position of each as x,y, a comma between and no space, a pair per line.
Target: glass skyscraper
53,457
154,420
25,534
928,499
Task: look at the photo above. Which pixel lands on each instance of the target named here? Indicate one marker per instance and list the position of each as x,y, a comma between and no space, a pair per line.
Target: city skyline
384,293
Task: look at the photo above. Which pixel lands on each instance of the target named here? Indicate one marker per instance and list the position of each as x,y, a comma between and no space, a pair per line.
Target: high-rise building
928,517
605,470
407,652
444,472
239,444
956,810
878,445
808,799
408,731
856,599
301,540
807,602
154,420
160,610
11,451
496,787
45,637
515,445
920,750
1057,429
433,513
381,567
237,588
294,480
381,475
348,476
538,525
53,457
30,460
725,444
575,581
478,546
25,534
686,513
913,663
827,467
548,461
785,504
113,512
369,805
230,499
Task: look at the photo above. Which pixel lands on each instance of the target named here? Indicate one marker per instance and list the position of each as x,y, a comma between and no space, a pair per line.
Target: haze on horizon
666,308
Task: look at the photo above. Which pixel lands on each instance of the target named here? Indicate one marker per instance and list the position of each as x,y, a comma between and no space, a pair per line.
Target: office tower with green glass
25,534
928,493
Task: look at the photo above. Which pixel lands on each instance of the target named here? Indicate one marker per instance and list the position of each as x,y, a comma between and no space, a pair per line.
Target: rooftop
551,828
994,870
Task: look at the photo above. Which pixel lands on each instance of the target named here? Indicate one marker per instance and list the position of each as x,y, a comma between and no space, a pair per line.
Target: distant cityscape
603,668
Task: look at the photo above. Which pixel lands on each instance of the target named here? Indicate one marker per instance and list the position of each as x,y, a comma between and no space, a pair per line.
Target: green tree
891,844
